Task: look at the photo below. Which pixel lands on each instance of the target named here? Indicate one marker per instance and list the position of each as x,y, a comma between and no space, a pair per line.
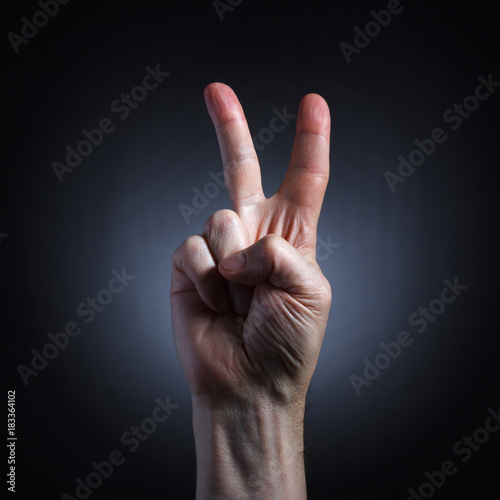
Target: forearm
249,450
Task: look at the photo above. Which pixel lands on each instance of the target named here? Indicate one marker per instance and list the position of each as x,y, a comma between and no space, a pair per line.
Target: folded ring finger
226,235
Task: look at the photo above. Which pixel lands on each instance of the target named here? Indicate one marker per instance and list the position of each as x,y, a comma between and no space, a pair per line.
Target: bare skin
249,310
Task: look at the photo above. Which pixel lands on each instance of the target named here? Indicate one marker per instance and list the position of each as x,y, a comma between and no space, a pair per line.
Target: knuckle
324,292
272,249
234,164
188,246
272,241
273,245
219,220
193,243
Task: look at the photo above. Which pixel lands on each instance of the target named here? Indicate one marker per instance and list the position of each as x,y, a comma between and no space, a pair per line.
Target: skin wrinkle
314,134
227,121
294,351
291,231
288,355
248,201
237,162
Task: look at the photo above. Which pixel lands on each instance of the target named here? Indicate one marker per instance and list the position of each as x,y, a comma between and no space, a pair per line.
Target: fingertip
221,101
212,88
234,263
208,95
314,115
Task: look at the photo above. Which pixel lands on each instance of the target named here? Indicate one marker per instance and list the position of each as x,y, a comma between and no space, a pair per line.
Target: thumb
274,260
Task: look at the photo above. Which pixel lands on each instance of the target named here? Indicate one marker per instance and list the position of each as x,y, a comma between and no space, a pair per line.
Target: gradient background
119,208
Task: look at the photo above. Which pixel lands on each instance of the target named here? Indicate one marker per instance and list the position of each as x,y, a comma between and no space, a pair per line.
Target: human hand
249,301
249,311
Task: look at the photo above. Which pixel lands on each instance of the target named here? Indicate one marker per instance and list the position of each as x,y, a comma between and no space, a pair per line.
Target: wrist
249,448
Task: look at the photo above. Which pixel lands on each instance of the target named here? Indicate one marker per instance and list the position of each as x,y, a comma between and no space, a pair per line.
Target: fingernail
235,262
242,301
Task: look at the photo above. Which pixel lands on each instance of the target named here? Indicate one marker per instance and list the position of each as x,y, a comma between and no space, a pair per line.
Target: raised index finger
308,171
241,166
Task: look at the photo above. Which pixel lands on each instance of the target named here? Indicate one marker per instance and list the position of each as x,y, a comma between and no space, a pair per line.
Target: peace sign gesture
249,301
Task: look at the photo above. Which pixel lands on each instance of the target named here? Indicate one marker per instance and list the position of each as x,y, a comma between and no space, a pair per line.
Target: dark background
120,208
